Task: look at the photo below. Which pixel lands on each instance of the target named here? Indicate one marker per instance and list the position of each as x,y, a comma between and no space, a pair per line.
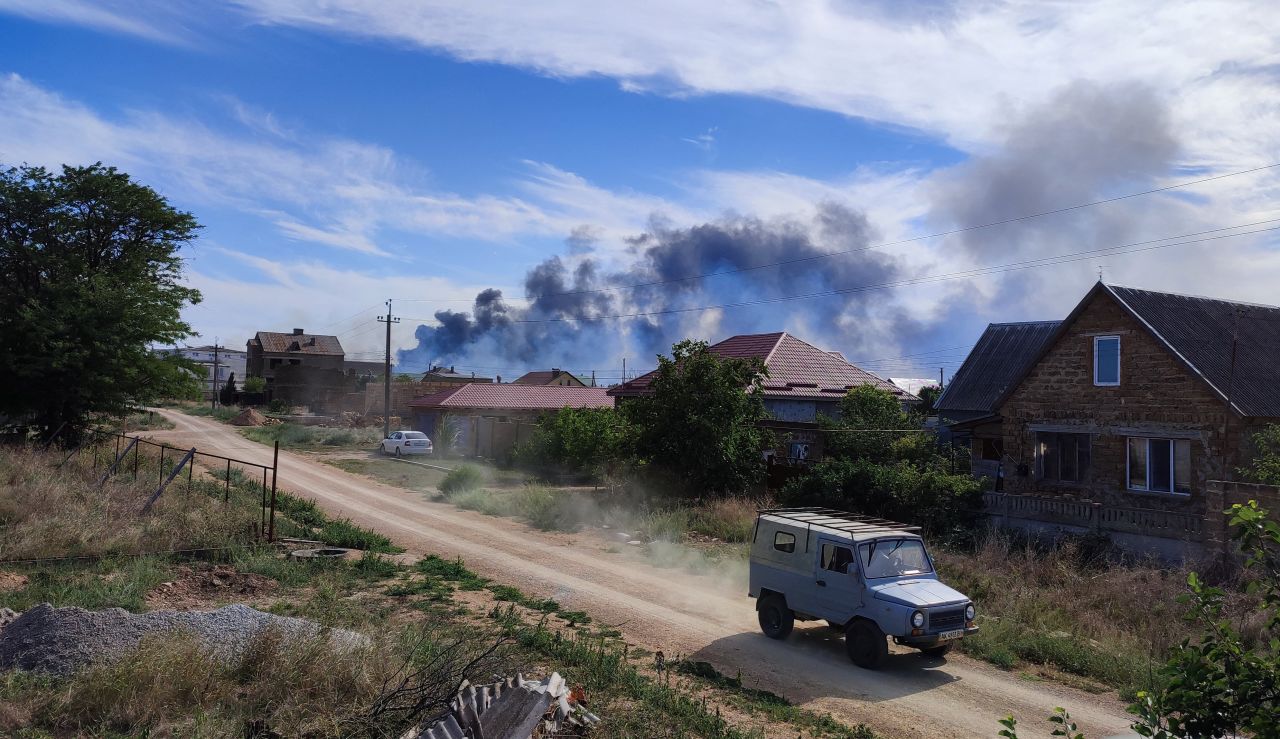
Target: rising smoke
567,292
1086,142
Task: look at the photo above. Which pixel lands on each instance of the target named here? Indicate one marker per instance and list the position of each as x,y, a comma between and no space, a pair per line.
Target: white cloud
956,69
156,23
335,192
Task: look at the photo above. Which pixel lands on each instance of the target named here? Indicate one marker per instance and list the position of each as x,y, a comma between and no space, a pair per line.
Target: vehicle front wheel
938,651
776,620
866,645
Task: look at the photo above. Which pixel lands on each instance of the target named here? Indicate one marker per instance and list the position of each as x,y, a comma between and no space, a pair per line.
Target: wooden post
275,466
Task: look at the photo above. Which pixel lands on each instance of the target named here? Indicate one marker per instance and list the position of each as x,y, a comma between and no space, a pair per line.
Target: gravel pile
62,640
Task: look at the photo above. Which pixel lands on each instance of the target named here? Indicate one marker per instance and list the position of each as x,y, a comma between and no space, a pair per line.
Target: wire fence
115,454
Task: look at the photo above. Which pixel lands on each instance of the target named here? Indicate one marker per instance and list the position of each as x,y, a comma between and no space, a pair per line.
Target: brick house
299,368
804,382
1139,398
967,406
268,351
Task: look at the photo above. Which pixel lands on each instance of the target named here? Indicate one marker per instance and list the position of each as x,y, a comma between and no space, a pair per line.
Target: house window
1062,457
1106,361
1160,465
784,542
275,363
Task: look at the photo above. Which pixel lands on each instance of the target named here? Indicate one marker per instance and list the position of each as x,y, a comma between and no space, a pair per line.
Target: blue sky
343,153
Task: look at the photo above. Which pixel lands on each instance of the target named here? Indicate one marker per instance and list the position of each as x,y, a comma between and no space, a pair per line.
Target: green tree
254,384
92,278
1266,462
585,440
877,462
872,426
929,395
227,395
699,424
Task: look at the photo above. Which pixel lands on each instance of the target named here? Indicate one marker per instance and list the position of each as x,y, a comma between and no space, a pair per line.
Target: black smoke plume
569,296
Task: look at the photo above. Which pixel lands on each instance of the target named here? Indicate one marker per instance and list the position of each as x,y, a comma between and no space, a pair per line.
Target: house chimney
298,332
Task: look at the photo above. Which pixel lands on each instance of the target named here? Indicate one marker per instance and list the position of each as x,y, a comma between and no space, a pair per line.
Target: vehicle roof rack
831,518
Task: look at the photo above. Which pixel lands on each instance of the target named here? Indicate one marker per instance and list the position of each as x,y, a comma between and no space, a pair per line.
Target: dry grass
173,686
50,512
1055,606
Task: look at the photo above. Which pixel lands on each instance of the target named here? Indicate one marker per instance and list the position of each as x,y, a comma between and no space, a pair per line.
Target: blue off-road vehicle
867,577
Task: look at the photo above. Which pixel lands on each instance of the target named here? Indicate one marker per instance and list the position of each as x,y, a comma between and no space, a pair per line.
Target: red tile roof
515,397
796,369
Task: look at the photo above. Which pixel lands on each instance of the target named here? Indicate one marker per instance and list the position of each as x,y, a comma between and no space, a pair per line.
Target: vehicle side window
836,559
396,435
784,542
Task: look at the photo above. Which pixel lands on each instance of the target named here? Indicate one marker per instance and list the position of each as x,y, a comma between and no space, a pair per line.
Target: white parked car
400,443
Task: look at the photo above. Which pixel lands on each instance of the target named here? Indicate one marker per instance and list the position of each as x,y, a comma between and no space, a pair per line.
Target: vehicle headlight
917,619
969,612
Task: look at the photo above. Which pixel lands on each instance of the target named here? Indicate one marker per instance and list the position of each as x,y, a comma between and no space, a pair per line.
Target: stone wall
1220,496
1157,397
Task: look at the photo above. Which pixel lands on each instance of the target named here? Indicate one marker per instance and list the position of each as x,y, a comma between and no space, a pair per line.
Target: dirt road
703,616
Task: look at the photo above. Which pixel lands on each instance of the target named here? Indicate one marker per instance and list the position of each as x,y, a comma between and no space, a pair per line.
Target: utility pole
386,376
213,395
624,370
940,378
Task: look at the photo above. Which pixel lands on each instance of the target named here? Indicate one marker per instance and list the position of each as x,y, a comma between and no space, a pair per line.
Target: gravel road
699,615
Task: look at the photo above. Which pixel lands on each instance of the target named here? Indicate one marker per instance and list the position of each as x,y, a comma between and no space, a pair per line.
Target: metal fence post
275,466
226,492
191,468
161,463
135,461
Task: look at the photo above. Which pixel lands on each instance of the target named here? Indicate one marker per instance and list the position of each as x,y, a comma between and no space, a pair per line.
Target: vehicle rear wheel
776,620
866,645
938,651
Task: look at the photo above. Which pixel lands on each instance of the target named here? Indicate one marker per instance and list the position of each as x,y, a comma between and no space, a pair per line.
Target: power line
952,232
829,255
965,274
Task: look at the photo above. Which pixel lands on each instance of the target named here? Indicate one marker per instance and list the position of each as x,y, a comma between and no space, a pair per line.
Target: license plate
949,635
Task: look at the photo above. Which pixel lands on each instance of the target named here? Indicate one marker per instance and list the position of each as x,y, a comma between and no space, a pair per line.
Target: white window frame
1173,467
1096,382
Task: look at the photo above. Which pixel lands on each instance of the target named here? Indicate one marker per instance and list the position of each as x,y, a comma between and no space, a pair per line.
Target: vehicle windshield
414,435
894,558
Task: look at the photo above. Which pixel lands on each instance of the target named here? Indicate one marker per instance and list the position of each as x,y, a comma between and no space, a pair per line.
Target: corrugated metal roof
277,343
797,369
515,397
1200,332
1003,354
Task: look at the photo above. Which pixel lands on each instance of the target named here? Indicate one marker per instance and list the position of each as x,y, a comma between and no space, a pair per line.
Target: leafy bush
462,478
1265,468
590,441
935,500
278,406
254,384
545,509
699,424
